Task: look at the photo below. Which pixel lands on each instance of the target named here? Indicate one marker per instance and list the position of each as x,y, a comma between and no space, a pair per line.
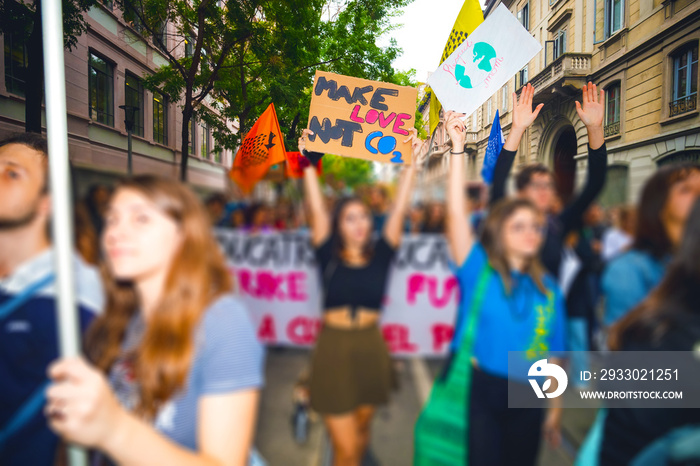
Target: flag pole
62,212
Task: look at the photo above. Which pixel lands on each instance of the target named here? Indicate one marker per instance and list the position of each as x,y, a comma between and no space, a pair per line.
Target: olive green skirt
349,368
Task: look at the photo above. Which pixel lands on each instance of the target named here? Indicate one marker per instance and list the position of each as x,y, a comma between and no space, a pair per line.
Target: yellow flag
470,16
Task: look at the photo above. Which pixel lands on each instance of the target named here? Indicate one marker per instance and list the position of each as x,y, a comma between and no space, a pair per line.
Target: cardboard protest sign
490,56
358,118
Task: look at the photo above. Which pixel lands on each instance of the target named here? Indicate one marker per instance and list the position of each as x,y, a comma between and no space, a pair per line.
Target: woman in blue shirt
522,310
664,206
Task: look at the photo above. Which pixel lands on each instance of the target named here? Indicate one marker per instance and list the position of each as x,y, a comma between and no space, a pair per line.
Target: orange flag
262,148
296,163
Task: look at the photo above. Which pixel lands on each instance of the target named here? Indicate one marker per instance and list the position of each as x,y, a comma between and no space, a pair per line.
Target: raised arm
319,219
591,112
460,236
393,228
523,117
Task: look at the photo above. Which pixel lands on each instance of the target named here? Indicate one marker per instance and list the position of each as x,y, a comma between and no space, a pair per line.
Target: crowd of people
172,371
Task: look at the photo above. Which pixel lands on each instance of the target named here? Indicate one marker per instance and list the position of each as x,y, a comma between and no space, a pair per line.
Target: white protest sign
485,61
276,276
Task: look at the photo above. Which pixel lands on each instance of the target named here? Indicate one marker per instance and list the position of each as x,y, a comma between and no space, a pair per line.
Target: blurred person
415,219
536,182
237,218
664,206
378,201
216,208
176,369
86,241
28,320
524,312
96,203
667,320
284,216
435,218
619,237
351,371
475,206
258,218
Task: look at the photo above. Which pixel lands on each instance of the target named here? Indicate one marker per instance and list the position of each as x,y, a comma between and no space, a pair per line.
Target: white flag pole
62,211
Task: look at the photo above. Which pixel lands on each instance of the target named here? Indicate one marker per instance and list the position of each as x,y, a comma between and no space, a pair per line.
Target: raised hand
420,148
80,405
592,108
302,140
523,115
455,128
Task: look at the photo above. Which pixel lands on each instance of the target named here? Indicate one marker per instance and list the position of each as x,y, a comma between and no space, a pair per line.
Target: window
475,121
189,46
685,81
15,64
132,16
615,191
488,113
521,77
191,127
612,110
524,16
133,97
217,154
614,11
160,118
559,44
504,98
204,149
160,38
101,90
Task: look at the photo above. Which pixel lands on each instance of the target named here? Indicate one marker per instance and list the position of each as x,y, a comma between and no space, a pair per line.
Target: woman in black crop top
351,366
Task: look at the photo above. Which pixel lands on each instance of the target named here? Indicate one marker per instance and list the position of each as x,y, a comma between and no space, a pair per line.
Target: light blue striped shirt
228,358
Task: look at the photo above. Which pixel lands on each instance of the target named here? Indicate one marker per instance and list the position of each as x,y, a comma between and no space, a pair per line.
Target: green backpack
442,427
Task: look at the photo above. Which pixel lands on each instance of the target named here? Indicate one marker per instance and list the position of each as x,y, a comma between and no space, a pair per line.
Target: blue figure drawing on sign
385,145
483,54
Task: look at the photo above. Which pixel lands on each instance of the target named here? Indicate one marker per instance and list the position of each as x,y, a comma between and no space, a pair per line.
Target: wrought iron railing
612,129
684,105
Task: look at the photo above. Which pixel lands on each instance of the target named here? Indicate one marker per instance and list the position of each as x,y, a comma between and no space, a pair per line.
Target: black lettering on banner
358,95
327,131
378,98
322,84
422,253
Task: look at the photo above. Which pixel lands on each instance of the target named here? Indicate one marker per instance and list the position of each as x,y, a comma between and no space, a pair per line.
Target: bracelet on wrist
457,153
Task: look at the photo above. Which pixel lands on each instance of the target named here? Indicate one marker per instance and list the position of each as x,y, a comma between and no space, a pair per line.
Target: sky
426,25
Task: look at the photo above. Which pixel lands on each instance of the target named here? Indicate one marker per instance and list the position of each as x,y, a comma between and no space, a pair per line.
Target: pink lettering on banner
398,339
266,331
437,297
270,286
303,330
493,72
442,335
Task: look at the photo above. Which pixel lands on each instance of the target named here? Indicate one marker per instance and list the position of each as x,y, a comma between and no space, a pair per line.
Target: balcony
566,75
684,105
612,129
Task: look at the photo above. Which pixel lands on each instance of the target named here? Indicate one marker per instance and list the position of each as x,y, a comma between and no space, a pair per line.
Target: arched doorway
565,164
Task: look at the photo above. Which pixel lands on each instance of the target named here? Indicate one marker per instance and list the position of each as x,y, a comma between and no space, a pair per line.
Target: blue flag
496,142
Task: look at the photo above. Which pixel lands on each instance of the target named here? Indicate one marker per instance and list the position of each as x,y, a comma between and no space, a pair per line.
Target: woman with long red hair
175,369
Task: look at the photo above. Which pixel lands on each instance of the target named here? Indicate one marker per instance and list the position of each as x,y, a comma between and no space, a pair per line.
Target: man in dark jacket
536,182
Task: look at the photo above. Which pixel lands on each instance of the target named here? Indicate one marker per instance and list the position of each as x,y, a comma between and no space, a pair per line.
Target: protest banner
483,63
277,278
358,118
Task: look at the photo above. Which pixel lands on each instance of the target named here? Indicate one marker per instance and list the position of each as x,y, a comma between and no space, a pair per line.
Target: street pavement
392,430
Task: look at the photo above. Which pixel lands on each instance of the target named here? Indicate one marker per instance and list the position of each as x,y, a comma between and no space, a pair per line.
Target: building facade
103,72
644,53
